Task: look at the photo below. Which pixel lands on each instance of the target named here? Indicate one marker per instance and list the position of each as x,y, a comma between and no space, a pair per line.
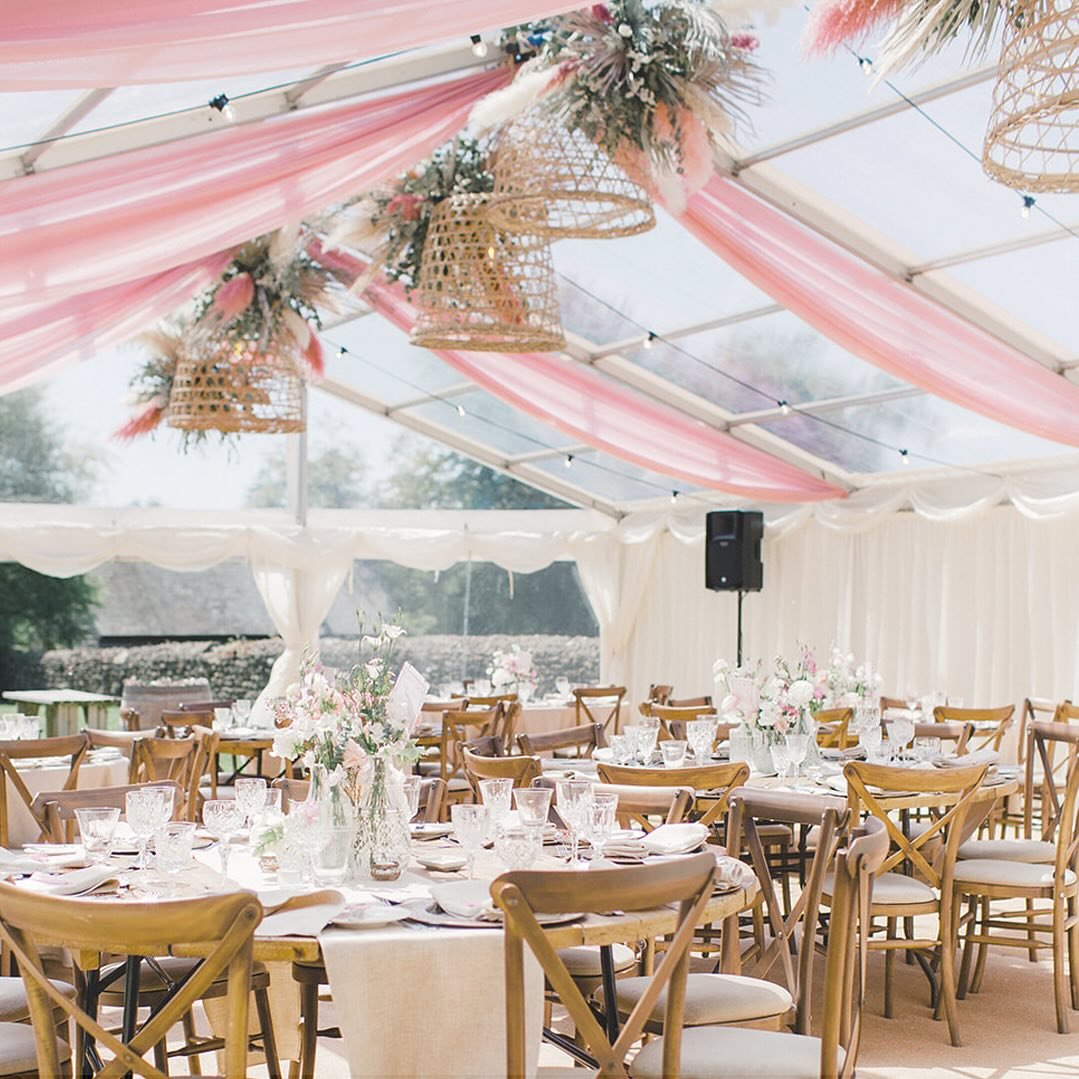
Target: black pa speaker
732,551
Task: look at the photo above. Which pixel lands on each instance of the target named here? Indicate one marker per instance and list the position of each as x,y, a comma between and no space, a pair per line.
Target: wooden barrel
151,700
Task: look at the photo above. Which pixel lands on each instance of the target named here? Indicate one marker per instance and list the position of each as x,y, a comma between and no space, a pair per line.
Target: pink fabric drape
79,44
584,405
122,218
879,319
39,341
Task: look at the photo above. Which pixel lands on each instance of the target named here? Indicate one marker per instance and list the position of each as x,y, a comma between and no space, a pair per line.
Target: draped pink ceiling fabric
42,339
80,44
119,219
879,319
583,404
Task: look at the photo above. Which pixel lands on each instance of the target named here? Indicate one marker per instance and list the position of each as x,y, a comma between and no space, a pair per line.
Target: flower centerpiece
353,732
513,672
848,685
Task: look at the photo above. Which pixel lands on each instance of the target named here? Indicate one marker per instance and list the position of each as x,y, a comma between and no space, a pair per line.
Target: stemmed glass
900,732
250,797
797,747
647,735
143,810
470,826
575,800
781,759
601,823
223,819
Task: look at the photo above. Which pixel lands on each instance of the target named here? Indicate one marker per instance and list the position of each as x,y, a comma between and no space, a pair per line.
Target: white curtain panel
986,608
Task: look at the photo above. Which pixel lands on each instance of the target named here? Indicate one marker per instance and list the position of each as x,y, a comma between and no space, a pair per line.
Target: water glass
926,748
329,855
619,748
518,848
173,846
143,810
674,753
241,709
223,819
412,785
561,685
222,719
647,735
496,795
470,827
29,727
870,740
632,735
97,827
250,797
482,687
781,759
797,747
700,734
533,805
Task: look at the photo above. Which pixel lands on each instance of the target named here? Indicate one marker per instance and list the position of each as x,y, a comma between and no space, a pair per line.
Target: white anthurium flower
392,632
373,667
369,640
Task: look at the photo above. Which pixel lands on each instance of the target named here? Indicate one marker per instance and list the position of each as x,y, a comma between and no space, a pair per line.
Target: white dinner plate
372,916
442,861
430,830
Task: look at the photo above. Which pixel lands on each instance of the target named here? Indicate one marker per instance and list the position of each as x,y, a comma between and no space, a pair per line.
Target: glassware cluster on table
237,716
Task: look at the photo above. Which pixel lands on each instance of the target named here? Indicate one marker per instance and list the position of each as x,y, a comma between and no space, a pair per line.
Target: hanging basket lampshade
481,289
1032,142
554,182
236,386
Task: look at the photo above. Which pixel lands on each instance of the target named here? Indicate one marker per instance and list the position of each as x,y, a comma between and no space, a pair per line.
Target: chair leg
161,1058
1032,954
1073,953
269,1042
968,949
889,969
947,985
983,949
308,1030
195,1060
1059,989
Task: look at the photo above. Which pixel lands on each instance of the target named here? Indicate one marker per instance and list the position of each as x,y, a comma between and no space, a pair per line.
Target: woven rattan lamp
484,290
1032,142
236,387
553,182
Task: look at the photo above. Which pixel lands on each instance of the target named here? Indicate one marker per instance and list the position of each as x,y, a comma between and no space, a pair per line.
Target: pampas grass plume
234,296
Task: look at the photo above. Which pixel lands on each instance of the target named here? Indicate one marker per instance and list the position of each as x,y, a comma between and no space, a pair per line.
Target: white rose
800,693
625,30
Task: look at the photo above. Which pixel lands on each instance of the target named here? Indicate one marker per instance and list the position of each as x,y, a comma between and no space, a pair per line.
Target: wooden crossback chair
180,722
221,925
184,760
72,746
673,719
713,784
990,724
57,808
523,895
458,727
832,727
659,693
599,704
491,700
1046,765
924,883
715,1052
1033,710
584,739
522,770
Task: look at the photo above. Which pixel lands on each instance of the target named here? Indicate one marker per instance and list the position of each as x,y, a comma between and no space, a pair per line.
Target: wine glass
223,819
601,822
647,735
781,759
142,808
470,827
797,747
900,732
250,797
173,845
561,685
575,797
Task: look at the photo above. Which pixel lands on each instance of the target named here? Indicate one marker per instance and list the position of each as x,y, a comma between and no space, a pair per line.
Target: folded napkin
77,882
730,871
13,862
675,838
625,848
979,756
465,899
295,918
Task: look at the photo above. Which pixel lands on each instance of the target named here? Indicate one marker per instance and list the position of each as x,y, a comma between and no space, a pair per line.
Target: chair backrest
184,760
292,790
131,719
686,882
750,808
990,724
712,783
223,925
703,703
522,770
833,725
845,962
599,704
72,746
649,806
659,692
673,719
452,705
506,728
179,722
203,706
1043,739
585,739
931,854
959,733
890,704
121,740
459,727
432,792
1033,710
486,745
491,700
57,808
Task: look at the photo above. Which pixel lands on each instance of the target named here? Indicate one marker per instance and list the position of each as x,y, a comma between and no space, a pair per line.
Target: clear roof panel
26,117
609,478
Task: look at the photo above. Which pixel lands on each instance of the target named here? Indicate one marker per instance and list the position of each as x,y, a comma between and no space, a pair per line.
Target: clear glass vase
382,846
329,803
760,757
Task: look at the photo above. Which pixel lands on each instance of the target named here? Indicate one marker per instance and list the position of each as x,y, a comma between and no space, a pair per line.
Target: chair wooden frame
583,695
458,726
1061,826
587,736
712,784
522,770
57,808
985,739
184,760
673,719
180,722
90,928
833,727
929,855
74,746
637,805
523,895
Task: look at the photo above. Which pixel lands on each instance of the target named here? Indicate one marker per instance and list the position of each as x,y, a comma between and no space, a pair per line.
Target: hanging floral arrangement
242,330
390,224
655,85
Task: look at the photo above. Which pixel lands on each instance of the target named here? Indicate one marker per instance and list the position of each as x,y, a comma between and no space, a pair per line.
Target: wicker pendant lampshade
550,181
234,387
484,290
1032,142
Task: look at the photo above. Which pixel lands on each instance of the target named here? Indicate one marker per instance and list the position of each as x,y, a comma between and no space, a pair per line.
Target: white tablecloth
542,717
21,825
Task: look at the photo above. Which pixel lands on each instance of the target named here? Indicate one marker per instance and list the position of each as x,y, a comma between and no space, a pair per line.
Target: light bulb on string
904,456
647,343
866,65
674,498
1028,203
342,352
220,102
479,46
784,408
569,460
461,411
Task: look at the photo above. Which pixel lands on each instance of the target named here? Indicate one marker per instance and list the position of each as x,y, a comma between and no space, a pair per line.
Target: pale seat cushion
998,872
14,1007
583,961
713,998
18,1051
895,888
1035,851
723,1052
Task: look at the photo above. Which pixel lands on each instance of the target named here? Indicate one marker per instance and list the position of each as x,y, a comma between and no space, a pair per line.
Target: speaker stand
740,595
